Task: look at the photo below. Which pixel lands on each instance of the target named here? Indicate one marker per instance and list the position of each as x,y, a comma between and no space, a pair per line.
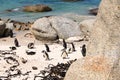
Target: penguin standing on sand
64,54
29,52
16,42
69,51
45,55
47,48
83,51
30,45
11,33
64,44
73,48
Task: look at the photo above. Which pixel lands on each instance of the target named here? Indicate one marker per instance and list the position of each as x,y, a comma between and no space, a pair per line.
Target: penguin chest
44,55
64,54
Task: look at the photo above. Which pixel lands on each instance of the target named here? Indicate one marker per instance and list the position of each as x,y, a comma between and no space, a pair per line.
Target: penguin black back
73,47
83,51
11,33
16,42
45,55
64,44
30,52
47,48
30,45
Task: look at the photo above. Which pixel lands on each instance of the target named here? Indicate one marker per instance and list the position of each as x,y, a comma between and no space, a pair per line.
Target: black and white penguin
29,52
64,44
16,42
64,54
11,33
83,51
47,48
30,45
73,47
45,55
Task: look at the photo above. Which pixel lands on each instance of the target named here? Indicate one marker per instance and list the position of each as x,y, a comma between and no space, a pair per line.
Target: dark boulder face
6,29
2,29
93,11
7,32
37,8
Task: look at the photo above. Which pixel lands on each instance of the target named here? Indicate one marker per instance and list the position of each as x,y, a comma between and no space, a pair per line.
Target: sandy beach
37,59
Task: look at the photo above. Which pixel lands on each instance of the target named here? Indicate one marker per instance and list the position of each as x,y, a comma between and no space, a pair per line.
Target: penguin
73,47
45,55
11,33
30,45
16,42
69,51
30,52
64,44
64,54
83,51
47,48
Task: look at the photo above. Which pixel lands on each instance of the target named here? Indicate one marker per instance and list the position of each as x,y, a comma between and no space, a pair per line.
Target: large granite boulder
37,8
50,28
6,28
42,30
2,28
86,26
103,51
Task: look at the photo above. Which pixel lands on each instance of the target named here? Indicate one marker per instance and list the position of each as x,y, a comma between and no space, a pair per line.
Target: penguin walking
11,33
30,45
64,44
29,52
45,55
73,47
16,42
69,51
83,51
47,48
64,54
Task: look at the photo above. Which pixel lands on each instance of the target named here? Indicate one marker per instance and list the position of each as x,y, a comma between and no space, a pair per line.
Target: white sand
37,59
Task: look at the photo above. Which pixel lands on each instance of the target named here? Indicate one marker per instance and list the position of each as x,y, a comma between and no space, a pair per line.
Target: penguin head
43,51
83,45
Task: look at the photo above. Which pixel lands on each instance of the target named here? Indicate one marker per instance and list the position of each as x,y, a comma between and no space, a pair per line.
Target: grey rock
86,26
42,30
50,28
37,8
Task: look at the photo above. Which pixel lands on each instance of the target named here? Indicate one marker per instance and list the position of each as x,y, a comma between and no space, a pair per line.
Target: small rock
37,8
